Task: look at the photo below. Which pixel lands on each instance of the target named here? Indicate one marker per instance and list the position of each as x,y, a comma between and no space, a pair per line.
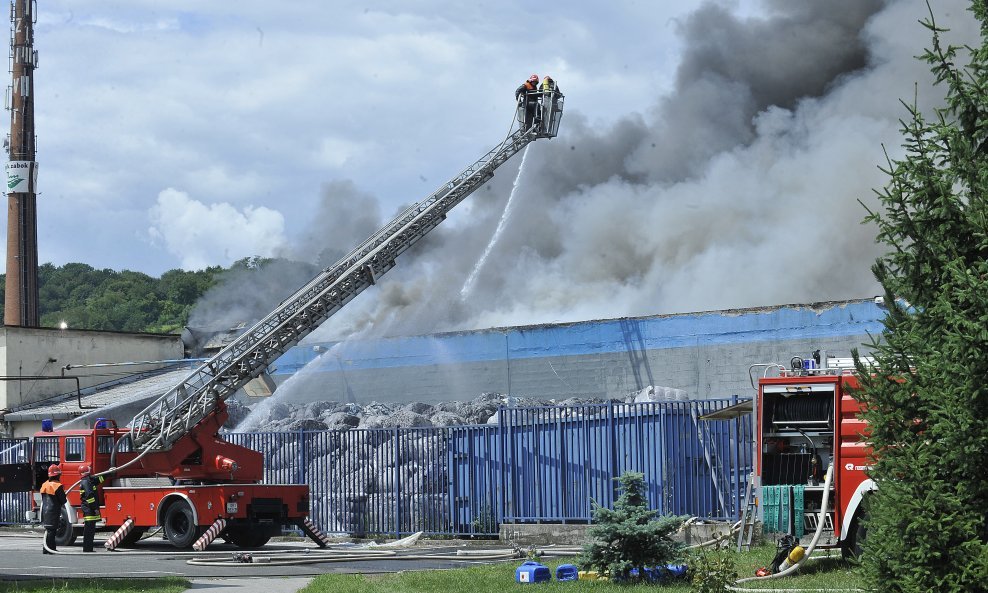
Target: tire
180,526
66,534
856,536
131,538
245,537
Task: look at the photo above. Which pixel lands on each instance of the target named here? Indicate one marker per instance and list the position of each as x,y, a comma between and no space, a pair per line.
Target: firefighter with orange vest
528,93
52,502
89,493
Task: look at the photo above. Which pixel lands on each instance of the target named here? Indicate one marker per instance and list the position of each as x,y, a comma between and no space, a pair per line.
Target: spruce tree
629,536
927,399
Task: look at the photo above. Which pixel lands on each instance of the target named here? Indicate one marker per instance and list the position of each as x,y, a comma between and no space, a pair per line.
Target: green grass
500,578
159,585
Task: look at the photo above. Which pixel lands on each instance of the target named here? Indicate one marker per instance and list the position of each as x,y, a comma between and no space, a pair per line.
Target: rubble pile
286,417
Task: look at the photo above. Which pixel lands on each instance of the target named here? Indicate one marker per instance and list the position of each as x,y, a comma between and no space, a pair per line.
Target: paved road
21,558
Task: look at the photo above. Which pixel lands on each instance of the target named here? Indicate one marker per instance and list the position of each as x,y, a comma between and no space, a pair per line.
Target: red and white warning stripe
314,532
212,533
114,540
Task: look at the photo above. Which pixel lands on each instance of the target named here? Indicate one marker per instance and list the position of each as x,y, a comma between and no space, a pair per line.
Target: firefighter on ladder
550,99
89,493
527,96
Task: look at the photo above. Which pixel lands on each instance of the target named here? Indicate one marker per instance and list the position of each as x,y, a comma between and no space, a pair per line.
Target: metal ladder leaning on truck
215,485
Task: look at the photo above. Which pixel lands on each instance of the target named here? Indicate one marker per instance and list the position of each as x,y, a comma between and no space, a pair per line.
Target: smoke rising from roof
740,188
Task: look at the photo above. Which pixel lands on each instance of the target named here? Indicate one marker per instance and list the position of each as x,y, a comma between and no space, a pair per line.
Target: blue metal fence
537,464
542,464
562,461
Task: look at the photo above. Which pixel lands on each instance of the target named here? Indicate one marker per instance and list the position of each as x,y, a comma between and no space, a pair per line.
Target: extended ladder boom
178,411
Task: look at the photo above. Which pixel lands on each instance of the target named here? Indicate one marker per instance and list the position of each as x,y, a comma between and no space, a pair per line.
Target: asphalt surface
21,558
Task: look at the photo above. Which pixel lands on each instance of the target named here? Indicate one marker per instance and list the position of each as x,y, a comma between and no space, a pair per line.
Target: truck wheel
855,537
180,527
246,538
65,534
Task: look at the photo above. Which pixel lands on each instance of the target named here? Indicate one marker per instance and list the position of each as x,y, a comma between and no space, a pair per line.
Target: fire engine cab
806,418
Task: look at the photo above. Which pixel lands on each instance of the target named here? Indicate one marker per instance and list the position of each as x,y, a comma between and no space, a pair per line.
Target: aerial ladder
204,486
185,405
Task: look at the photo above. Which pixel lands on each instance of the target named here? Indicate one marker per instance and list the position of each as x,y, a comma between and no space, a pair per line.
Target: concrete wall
44,352
705,354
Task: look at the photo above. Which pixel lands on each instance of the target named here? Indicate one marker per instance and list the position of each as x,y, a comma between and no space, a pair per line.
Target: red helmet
533,78
85,470
54,470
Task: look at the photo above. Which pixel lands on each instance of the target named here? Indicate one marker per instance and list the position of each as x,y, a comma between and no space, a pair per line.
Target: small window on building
75,449
104,445
46,449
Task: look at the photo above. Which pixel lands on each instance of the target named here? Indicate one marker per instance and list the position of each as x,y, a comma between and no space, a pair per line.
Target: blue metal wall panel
593,337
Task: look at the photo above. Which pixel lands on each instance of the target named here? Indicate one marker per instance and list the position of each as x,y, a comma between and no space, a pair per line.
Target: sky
712,154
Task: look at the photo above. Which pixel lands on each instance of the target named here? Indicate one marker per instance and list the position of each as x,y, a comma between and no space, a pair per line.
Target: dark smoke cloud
345,217
245,294
740,188
733,69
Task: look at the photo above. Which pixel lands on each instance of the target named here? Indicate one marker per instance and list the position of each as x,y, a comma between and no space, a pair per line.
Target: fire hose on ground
345,555
390,551
806,556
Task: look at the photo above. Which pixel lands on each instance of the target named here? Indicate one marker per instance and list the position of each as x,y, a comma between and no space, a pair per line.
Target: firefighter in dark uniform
529,93
89,493
52,501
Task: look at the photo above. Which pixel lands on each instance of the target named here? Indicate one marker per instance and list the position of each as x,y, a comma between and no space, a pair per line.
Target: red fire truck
806,418
170,466
184,489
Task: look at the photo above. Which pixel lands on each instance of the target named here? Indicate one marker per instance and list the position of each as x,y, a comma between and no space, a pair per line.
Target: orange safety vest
50,487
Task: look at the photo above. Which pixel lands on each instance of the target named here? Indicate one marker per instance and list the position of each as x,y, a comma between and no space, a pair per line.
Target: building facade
707,355
27,353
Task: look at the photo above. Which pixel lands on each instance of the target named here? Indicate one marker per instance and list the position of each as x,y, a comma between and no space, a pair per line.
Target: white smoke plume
740,188
196,232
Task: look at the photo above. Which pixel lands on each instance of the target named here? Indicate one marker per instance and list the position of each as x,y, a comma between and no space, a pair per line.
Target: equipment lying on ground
171,467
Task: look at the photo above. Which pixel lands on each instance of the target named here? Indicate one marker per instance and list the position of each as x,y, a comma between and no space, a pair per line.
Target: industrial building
707,355
41,366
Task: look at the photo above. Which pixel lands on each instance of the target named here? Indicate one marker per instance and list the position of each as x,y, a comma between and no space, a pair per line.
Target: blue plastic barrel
532,572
